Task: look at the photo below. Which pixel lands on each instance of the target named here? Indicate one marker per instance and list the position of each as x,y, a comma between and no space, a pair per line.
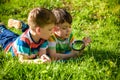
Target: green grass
98,19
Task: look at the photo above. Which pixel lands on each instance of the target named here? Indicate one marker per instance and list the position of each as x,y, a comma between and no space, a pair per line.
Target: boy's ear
38,29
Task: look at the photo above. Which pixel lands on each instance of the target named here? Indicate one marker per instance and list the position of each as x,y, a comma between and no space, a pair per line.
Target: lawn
98,19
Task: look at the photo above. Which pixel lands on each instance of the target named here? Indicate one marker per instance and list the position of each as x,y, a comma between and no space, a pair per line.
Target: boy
60,43
32,43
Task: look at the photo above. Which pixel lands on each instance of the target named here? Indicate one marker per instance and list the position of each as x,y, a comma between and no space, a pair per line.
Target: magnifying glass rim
82,47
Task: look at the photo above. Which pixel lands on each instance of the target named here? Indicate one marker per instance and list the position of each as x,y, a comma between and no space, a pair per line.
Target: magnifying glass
78,45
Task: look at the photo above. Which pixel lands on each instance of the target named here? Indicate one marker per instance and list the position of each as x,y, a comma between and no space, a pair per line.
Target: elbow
54,57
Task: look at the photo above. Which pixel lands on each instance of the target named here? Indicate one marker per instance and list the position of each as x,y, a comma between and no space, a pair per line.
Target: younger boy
32,42
60,43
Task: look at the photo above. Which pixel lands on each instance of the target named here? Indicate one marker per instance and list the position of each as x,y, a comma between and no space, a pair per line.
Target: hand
45,58
86,40
26,57
33,56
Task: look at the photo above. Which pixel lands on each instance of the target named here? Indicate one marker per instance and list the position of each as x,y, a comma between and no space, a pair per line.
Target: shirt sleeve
51,43
44,45
21,47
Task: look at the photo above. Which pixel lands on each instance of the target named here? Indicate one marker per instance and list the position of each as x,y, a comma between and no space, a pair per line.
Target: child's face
63,30
46,31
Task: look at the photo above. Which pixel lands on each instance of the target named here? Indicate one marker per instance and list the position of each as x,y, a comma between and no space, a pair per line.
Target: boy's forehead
48,26
65,24
51,25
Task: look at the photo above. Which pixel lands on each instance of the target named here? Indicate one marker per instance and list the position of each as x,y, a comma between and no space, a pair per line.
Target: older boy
33,41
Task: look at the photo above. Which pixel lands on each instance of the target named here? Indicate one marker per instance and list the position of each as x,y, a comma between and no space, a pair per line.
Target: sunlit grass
98,19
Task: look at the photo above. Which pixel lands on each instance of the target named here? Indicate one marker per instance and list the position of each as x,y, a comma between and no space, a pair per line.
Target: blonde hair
40,17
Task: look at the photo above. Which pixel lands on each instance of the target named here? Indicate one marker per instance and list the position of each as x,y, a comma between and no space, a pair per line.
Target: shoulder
71,37
21,42
52,38
44,45
23,39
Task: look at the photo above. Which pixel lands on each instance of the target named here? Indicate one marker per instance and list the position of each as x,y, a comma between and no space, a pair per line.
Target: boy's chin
66,37
45,38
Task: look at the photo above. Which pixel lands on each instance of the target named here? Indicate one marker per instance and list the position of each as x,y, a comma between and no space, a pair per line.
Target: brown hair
62,16
40,17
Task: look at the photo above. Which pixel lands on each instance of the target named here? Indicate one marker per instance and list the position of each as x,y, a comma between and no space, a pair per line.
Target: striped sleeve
21,47
44,45
52,42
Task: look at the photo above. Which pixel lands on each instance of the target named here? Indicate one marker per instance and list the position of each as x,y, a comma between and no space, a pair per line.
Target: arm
22,59
42,52
60,56
23,50
26,57
42,55
29,58
73,54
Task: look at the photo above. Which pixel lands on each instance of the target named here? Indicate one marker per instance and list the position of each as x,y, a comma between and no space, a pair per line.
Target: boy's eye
66,27
50,29
63,28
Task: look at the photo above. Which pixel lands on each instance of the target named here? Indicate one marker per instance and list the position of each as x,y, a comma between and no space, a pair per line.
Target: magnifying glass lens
78,45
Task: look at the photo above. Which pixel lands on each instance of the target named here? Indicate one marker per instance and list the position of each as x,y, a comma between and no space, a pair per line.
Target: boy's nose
50,33
67,29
